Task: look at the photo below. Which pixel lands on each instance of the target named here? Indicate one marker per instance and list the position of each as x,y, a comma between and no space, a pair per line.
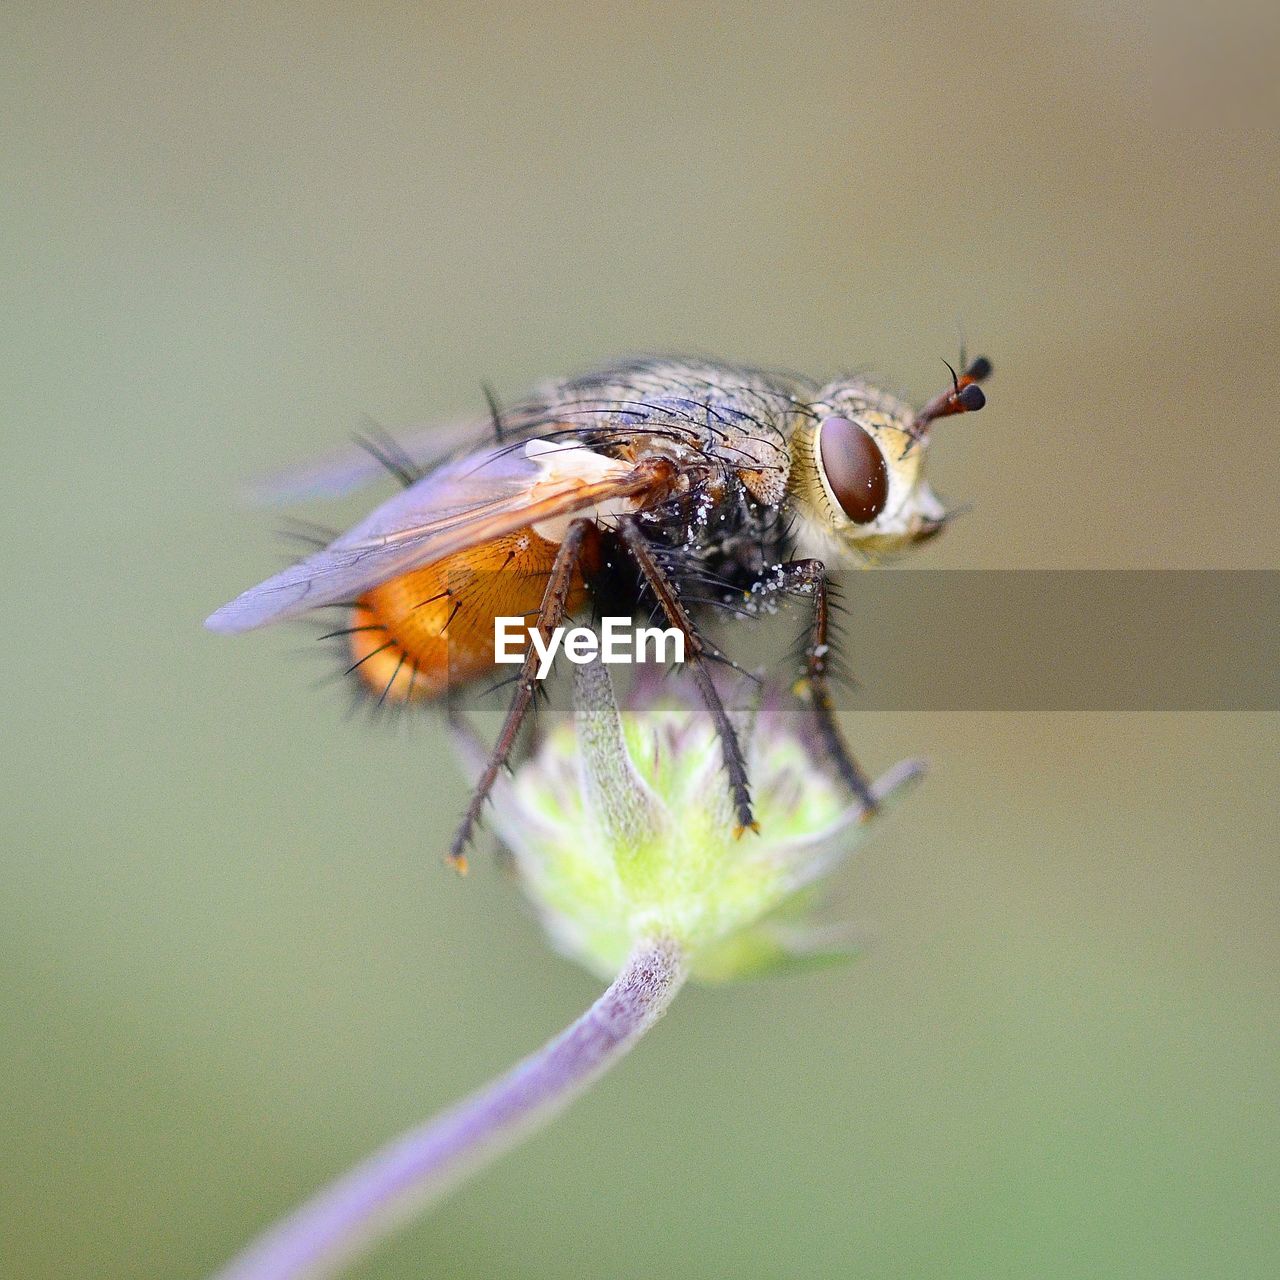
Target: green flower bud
622,830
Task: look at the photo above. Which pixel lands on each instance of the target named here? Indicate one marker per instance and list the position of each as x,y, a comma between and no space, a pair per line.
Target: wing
354,466
690,400
464,503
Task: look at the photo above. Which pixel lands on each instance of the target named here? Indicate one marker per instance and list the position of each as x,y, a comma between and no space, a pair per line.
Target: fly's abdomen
418,634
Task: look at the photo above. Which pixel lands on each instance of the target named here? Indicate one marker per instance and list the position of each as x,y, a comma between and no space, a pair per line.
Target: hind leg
551,612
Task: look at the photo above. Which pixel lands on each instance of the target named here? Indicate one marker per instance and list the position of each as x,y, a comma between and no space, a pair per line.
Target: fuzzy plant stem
419,1167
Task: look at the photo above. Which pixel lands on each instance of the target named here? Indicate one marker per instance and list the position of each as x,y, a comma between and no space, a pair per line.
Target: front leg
809,577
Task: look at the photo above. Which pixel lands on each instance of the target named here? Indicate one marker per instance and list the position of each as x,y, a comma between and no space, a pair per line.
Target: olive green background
232,960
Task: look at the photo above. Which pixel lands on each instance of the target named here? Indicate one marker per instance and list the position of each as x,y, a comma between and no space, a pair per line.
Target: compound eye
855,469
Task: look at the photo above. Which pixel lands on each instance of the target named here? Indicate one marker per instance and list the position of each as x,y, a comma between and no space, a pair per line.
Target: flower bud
622,829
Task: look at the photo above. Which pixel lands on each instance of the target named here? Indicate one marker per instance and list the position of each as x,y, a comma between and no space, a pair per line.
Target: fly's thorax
709,414
857,489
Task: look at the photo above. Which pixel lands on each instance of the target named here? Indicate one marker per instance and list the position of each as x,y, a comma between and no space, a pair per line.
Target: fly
679,485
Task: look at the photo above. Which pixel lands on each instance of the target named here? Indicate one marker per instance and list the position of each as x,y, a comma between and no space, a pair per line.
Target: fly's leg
695,659
550,615
810,577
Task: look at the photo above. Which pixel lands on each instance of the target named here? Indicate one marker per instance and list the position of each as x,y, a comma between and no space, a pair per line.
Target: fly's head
857,484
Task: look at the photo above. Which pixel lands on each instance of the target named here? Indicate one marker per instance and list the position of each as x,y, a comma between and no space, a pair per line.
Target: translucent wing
464,503
734,411
353,466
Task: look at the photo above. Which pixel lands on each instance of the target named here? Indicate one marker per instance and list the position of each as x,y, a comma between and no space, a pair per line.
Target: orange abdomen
433,627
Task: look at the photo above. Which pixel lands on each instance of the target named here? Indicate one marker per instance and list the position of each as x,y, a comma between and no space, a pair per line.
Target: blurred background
232,959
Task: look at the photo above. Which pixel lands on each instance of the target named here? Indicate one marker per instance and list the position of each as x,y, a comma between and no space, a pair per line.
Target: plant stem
419,1167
